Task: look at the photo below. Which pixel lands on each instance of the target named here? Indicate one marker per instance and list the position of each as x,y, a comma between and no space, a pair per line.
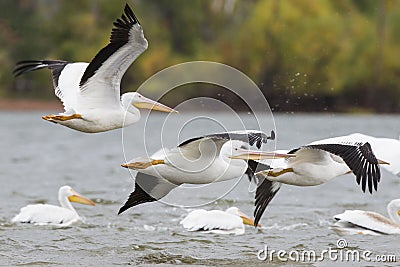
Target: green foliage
305,55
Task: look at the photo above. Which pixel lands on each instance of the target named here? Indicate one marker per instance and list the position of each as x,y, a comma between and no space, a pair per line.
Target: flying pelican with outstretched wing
90,92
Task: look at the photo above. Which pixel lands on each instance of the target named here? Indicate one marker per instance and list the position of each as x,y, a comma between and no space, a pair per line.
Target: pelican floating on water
51,214
90,92
200,160
231,221
368,222
318,163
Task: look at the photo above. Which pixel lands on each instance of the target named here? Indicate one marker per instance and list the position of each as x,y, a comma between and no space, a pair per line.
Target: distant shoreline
37,105
29,104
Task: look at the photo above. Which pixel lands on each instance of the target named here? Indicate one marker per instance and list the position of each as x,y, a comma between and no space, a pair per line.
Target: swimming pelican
367,222
90,92
50,214
200,160
318,163
231,221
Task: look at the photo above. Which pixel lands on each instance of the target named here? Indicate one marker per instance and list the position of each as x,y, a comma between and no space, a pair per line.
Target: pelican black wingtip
129,13
121,210
272,136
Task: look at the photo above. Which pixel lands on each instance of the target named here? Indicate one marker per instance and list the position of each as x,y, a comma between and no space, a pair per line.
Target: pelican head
232,148
73,196
140,102
246,219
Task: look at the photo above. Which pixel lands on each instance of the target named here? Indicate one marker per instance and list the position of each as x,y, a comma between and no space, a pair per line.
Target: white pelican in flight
231,221
318,163
90,92
367,222
200,160
51,214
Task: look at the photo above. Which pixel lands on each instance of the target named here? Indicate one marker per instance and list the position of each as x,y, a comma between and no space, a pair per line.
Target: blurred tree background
305,55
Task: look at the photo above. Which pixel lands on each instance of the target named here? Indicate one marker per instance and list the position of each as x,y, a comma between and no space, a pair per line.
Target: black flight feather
137,197
265,192
56,67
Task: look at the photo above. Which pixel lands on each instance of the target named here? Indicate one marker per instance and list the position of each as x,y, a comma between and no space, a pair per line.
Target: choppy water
37,157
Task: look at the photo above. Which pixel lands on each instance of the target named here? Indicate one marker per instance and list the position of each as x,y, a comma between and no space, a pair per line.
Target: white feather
68,90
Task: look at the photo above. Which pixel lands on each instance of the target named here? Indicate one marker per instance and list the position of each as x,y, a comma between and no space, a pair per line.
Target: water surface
38,157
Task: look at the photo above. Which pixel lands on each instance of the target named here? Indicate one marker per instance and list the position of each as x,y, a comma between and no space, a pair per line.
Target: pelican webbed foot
140,165
53,117
272,173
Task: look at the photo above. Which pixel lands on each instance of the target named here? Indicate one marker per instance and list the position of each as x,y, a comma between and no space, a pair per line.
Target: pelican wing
266,190
260,165
45,214
359,157
100,83
193,148
147,189
369,220
66,78
251,137
346,228
251,169
387,149
56,67
203,220
254,166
